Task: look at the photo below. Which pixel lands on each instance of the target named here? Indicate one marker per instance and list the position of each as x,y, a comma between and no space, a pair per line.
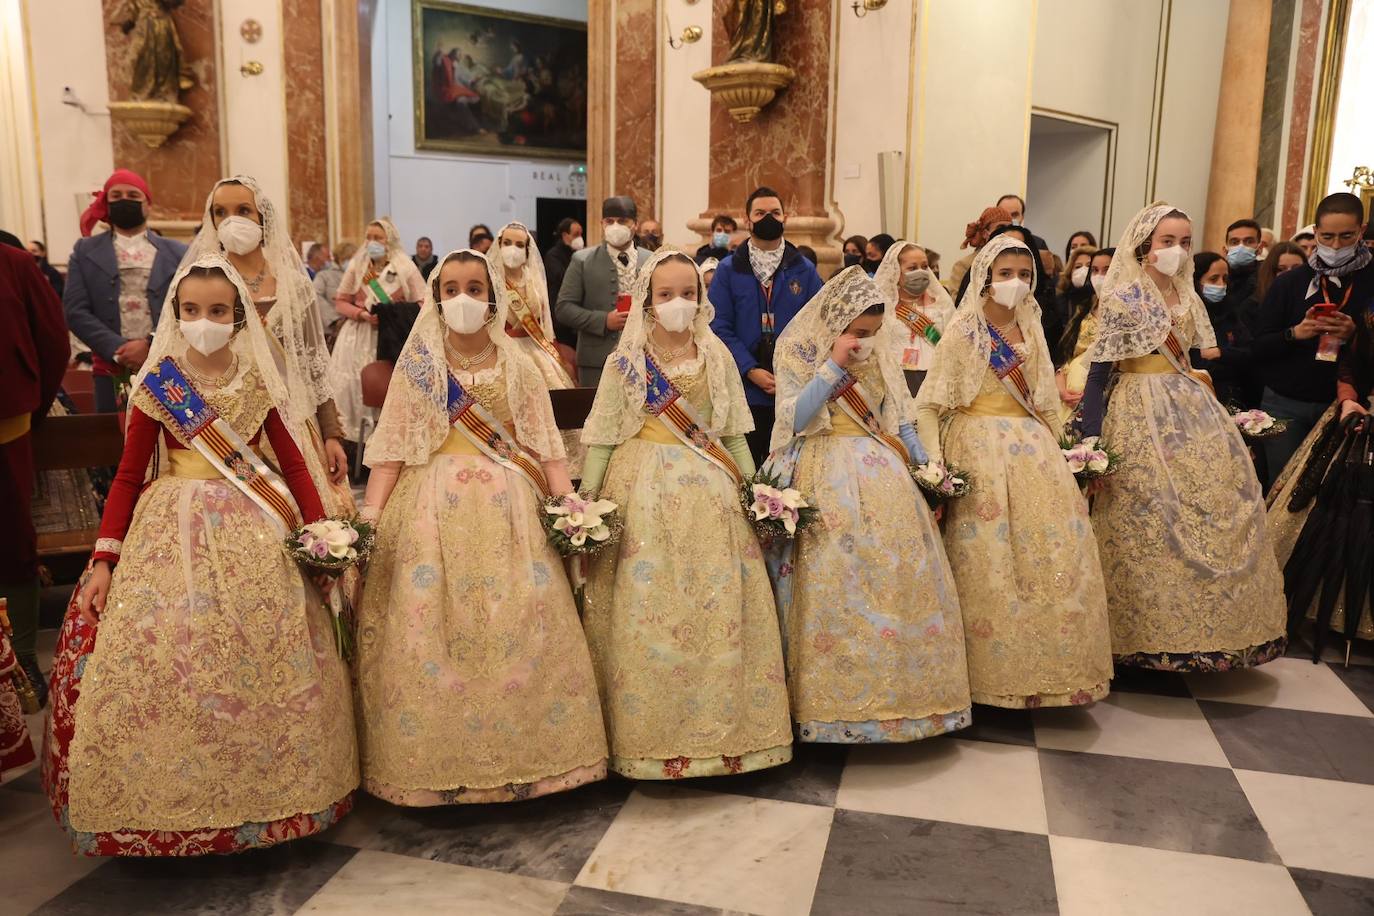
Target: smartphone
1324,309
622,302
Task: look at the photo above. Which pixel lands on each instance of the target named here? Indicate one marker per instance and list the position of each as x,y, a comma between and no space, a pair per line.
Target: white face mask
206,336
1009,293
1097,281
512,256
239,235
618,235
676,314
1169,260
865,348
1079,276
464,314
577,243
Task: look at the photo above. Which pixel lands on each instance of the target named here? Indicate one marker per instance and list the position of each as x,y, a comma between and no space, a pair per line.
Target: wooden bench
97,440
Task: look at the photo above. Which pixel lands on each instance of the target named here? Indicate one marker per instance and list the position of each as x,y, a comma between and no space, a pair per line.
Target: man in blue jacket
117,281
756,292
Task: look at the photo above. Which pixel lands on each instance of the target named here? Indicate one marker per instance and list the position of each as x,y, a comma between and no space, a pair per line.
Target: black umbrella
1359,565
1334,558
1306,568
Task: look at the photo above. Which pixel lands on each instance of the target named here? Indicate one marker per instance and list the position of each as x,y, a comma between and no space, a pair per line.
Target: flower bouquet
940,482
578,526
775,511
1256,424
1089,458
332,546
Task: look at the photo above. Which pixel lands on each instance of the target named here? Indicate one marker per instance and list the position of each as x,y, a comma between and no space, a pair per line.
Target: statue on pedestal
751,24
158,72
749,79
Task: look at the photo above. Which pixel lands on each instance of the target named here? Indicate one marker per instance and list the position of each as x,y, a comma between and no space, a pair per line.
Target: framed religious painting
498,83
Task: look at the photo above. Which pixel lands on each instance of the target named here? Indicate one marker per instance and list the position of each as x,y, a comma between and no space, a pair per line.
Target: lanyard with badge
764,351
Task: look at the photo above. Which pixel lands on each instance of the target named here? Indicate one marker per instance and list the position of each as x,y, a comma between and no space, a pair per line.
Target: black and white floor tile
1249,792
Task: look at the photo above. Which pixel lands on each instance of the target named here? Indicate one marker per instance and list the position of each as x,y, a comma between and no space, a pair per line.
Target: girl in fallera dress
529,321
918,309
871,625
1192,582
199,704
379,274
1020,542
241,223
473,675
679,614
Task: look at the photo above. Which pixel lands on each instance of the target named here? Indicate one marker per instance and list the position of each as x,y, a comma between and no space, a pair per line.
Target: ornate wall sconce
690,36
862,8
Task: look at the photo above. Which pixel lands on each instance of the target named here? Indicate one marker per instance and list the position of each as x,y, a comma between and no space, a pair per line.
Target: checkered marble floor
1243,793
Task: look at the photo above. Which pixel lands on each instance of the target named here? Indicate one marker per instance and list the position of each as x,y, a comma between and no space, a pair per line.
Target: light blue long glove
907,432
816,394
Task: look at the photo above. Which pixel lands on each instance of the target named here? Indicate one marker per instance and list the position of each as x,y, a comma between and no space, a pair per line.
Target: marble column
1300,115
1240,107
347,36
622,110
306,163
600,112
182,170
636,105
785,146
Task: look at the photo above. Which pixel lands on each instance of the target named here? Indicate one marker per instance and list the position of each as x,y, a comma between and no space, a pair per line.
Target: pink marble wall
306,162
1304,77
636,106
784,146
182,170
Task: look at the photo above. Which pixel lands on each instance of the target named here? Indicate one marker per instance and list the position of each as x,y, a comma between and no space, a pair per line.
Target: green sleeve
594,468
738,447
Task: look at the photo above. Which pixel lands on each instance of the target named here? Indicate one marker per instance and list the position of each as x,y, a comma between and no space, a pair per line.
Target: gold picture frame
491,82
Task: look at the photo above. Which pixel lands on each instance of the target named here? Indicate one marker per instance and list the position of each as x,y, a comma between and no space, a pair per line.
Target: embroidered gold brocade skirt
875,641
681,623
1024,559
214,696
474,681
1189,566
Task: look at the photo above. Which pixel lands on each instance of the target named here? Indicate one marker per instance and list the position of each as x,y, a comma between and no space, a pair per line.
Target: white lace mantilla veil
352,279
961,359
249,343
295,318
804,346
533,281
889,281
618,411
414,420
1132,317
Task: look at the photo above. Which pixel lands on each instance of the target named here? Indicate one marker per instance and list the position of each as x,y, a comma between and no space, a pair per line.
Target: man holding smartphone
595,297
1307,317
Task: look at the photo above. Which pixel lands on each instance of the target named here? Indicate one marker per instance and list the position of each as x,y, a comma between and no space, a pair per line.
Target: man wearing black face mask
757,290
117,281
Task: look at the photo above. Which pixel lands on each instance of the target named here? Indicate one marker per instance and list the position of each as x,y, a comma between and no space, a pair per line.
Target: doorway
1069,176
